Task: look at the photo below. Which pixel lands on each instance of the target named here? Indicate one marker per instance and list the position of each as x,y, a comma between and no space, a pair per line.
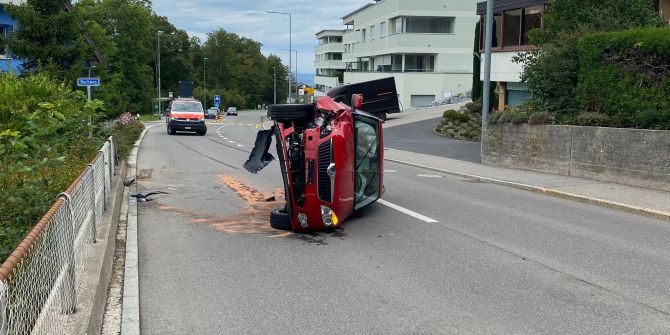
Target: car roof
185,100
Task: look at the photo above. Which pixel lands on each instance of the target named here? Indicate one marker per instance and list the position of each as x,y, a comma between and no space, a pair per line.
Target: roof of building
366,6
339,31
502,5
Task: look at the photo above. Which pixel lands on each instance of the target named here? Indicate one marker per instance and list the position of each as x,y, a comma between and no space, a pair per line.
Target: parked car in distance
186,115
212,113
331,157
231,111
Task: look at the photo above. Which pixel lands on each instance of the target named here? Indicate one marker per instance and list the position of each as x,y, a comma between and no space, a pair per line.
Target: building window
363,35
532,19
4,32
512,27
336,56
382,30
423,25
419,63
396,63
373,33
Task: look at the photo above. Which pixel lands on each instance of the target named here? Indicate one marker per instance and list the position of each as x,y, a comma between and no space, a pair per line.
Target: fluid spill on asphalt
145,174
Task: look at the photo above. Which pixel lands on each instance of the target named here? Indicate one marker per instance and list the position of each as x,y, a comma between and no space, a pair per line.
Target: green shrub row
464,124
624,78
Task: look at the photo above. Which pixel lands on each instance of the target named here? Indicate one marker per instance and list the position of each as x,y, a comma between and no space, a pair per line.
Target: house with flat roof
426,45
7,24
328,63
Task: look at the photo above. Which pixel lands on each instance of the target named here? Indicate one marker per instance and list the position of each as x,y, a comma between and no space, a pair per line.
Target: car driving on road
331,158
186,115
231,111
212,113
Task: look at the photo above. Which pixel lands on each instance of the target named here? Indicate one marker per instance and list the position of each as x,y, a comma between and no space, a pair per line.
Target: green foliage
541,118
509,115
552,73
473,107
44,145
626,76
460,125
592,119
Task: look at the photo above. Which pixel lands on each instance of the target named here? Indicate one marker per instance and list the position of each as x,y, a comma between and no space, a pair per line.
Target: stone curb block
548,191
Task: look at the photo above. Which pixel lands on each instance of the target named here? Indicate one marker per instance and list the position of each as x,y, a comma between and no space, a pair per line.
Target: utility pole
487,71
158,54
274,90
204,80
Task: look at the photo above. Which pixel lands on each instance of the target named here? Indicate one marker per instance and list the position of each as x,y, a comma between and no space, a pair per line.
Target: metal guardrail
39,281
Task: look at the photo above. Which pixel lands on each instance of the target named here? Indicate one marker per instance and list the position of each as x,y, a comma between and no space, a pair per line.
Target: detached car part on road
186,115
331,157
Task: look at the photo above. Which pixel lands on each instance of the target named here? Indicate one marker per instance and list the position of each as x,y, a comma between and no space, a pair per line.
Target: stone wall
626,156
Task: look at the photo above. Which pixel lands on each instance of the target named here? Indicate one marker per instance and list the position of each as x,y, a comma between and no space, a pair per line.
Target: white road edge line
407,211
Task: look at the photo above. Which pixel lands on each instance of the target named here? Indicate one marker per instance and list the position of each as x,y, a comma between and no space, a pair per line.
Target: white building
425,44
328,63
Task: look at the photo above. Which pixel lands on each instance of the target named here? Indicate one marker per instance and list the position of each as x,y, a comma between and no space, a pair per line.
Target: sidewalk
628,198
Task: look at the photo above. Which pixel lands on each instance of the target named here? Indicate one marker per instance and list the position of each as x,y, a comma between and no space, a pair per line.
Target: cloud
249,19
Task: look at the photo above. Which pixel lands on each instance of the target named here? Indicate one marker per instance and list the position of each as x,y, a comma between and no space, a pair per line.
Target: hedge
626,77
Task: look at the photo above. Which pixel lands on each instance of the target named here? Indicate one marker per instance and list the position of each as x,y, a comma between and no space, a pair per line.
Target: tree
39,44
477,89
551,72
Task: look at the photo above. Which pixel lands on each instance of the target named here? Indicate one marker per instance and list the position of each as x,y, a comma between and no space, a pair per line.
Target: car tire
280,219
170,131
203,132
291,112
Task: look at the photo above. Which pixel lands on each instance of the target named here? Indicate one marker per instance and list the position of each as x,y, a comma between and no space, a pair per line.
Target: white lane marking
390,171
430,176
225,138
407,211
250,124
231,141
240,145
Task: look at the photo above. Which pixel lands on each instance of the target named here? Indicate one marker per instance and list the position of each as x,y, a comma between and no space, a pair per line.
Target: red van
331,155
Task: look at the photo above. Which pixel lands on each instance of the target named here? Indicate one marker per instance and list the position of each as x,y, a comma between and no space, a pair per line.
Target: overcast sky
249,19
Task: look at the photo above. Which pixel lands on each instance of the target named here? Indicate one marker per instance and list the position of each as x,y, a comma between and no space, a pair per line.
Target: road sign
88,82
217,101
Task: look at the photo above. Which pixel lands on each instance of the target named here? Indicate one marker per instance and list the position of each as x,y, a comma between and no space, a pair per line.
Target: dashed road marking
390,171
407,211
240,145
430,176
231,141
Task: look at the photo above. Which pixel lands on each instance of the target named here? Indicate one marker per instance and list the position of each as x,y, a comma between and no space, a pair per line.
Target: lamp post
88,88
290,61
158,65
204,80
487,70
274,91
296,69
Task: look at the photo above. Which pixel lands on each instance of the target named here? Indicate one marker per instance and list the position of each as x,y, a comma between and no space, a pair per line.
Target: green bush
541,118
592,119
459,125
626,76
452,115
44,146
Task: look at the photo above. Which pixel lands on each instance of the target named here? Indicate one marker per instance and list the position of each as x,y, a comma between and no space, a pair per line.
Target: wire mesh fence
39,281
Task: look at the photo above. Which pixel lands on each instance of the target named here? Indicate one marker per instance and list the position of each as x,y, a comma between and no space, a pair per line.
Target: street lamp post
296,70
204,80
158,65
274,91
487,70
290,61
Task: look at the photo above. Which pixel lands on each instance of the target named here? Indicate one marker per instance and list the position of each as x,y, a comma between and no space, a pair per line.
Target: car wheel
291,112
279,219
202,133
170,131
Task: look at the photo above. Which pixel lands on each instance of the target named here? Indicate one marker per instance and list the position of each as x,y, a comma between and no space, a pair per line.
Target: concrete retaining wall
625,156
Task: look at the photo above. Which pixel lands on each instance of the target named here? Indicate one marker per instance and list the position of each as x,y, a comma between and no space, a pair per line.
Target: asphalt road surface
441,255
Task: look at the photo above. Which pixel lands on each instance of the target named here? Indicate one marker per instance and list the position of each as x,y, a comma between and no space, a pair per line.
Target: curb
548,191
130,310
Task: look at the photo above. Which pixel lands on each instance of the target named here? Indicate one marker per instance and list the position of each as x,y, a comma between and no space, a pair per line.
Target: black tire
202,133
279,219
170,131
291,112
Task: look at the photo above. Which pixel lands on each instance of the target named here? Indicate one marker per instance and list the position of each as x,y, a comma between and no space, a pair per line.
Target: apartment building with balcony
328,63
7,24
426,45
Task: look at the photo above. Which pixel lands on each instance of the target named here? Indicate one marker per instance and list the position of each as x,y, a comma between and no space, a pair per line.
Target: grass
149,117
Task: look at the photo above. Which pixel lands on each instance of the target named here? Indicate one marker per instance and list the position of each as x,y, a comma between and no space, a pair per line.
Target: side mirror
357,101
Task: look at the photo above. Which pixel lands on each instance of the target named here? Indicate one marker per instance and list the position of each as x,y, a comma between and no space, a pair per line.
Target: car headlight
329,217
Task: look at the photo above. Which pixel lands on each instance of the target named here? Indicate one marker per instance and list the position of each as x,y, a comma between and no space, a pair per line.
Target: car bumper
187,125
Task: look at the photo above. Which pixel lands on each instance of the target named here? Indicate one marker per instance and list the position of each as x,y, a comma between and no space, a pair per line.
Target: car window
366,187
194,107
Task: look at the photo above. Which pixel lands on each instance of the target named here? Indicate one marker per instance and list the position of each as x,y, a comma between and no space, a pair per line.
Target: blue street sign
217,99
88,82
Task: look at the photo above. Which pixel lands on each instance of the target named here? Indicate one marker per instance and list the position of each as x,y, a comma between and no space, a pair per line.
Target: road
498,260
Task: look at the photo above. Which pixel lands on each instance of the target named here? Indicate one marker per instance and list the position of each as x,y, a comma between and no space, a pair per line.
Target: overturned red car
330,153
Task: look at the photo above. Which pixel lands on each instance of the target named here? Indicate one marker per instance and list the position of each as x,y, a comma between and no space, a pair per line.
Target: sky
249,18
